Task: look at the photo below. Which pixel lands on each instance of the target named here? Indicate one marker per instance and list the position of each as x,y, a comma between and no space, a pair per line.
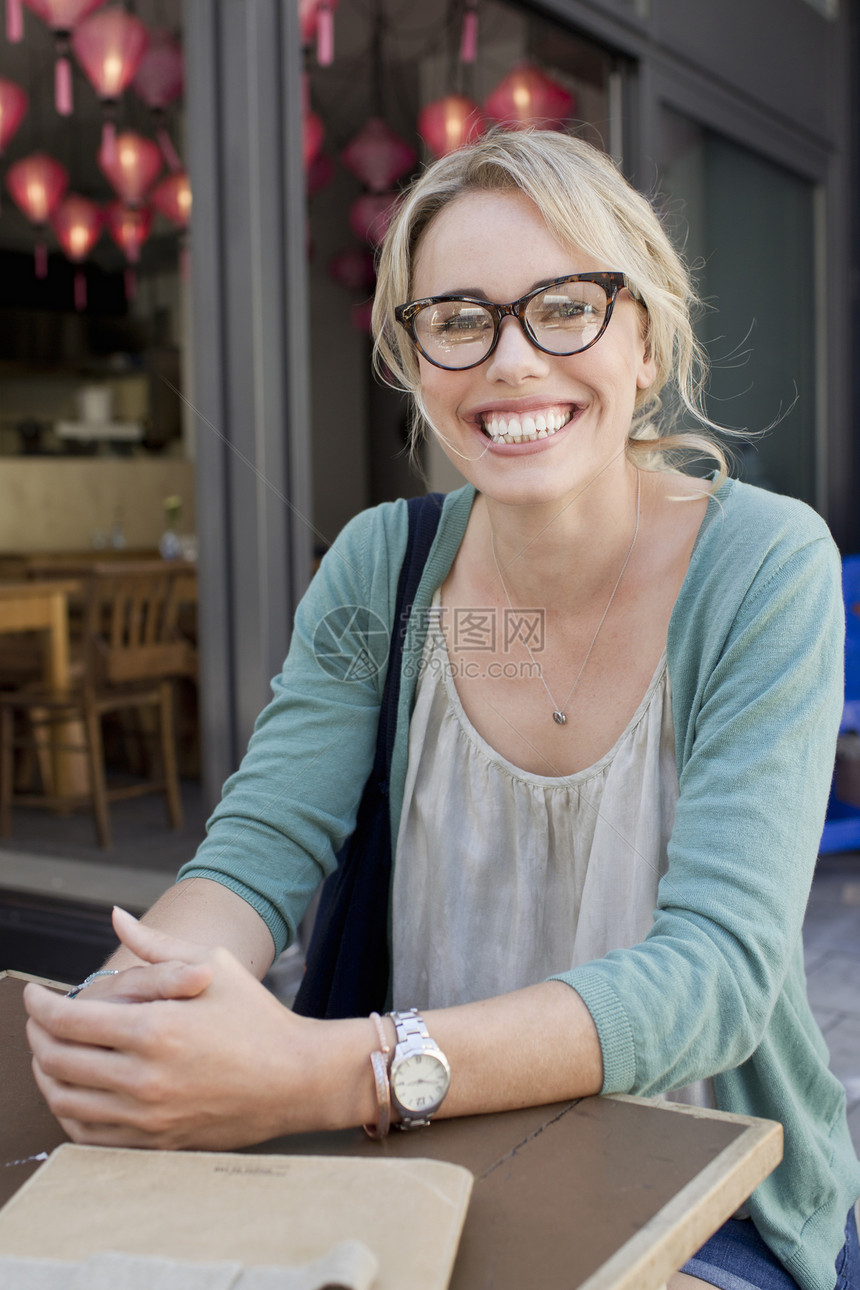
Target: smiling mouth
526,428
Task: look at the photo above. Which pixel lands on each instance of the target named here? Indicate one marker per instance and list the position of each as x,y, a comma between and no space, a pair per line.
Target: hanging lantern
172,198
14,21
109,47
129,226
313,133
319,173
61,16
370,215
78,224
158,81
37,184
450,123
469,34
378,156
529,98
353,268
13,105
316,20
131,167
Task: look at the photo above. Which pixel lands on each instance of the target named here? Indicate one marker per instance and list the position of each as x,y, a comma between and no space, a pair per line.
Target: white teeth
515,430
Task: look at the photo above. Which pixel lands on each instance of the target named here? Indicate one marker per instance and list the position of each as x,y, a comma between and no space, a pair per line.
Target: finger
150,944
105,1024
170,980
82,1065
92,1114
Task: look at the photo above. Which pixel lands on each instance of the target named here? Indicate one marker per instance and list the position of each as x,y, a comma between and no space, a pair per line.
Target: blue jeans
736,1258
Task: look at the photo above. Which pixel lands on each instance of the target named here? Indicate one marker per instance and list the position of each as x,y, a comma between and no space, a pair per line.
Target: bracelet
379,1064
75,990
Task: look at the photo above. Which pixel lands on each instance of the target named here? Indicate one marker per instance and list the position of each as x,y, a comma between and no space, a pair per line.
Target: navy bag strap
347,966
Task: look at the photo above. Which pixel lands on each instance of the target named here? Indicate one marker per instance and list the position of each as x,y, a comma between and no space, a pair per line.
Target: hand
191,1051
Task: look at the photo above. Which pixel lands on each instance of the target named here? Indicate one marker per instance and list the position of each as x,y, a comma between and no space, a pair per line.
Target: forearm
209,914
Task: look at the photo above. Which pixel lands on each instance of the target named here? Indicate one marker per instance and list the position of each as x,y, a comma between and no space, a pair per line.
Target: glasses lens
454,333
567,316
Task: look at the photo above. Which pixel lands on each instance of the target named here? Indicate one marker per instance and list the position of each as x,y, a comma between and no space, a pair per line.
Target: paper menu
252,1208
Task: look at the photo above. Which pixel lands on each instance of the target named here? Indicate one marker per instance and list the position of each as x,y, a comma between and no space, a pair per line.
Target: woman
618,704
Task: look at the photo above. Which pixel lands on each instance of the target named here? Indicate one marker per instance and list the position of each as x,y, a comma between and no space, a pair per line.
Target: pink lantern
469,35
109,47
14,21
377,156
131,166
172,198
319,173
158,81
450,123
13,105
78,224
61,16
353,268
37,184
313,133
316,19
529,98
370,215
129,226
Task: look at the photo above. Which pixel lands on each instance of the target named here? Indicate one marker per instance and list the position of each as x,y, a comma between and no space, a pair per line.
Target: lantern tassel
130,277
184,260
14,21
168,152
469,37
41,260
63,86
80,290
108,148
325,35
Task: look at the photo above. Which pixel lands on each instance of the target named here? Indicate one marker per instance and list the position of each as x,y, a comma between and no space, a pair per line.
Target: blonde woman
610,750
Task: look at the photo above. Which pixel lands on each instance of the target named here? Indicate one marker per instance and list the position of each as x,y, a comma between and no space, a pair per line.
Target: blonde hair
587,204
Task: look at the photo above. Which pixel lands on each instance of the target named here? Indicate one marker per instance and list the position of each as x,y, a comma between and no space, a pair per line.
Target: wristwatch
420,1074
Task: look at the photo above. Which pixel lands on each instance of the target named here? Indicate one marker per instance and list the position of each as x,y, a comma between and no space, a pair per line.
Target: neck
564,555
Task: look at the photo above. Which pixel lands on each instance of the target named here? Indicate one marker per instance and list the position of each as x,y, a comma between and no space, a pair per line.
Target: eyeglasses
563,317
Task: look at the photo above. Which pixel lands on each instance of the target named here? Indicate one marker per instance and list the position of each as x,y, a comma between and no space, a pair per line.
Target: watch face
420,1083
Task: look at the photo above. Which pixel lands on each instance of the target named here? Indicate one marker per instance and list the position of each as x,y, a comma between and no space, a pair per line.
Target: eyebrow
480,295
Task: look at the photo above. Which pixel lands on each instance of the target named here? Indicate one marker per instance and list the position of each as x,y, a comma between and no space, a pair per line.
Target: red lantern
320,172
78,224
14,21
129,226
37,184
13,105
131,166
377,156
450,123
316,19
313,133
172,197
61,16
353,268
528,98
371,214
469,34
109,47
158,81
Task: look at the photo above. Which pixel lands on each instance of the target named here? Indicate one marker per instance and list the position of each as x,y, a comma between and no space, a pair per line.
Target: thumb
152,945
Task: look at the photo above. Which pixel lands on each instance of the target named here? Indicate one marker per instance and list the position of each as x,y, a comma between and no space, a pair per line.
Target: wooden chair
132,652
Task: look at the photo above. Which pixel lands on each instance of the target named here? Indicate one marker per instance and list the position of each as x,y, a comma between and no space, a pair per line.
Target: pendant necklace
558,714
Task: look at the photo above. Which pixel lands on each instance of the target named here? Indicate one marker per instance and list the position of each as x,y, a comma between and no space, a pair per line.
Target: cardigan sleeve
694,998
293,801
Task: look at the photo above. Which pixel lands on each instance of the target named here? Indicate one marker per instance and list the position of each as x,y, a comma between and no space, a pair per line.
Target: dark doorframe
250,357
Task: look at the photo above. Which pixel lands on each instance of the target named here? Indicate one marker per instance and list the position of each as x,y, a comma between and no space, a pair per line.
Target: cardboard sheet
256,1210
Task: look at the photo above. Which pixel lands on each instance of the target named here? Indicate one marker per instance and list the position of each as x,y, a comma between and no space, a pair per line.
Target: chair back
131,625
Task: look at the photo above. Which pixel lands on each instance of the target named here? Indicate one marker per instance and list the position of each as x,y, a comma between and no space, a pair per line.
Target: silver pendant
559,718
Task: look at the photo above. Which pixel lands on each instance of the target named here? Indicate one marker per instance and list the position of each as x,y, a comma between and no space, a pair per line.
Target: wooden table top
601,1194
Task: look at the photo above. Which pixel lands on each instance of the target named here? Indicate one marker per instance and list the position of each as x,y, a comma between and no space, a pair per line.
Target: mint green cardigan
718,986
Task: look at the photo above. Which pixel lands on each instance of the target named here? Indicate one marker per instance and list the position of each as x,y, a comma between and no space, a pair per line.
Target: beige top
487,853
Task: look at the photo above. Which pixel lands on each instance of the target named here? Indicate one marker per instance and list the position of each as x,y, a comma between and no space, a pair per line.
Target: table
604,1193
44,607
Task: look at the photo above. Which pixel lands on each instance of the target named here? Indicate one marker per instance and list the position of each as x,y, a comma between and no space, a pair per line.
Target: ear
647,373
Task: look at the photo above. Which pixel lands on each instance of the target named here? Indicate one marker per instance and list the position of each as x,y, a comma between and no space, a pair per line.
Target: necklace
558,715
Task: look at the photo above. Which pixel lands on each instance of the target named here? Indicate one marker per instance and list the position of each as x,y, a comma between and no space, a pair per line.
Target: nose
515,358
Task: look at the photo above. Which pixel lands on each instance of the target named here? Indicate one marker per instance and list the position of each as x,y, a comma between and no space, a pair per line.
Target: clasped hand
189,1050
